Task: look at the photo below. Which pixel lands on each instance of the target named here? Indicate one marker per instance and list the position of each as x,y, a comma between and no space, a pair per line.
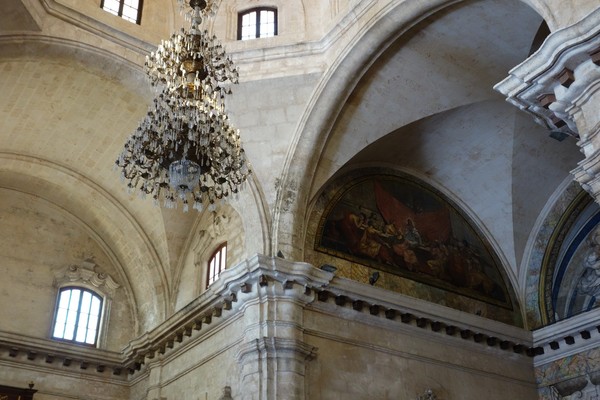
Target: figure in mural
576,277
439,260
411,234
589,283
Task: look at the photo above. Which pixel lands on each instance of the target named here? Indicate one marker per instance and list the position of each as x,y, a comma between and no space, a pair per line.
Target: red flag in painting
431,225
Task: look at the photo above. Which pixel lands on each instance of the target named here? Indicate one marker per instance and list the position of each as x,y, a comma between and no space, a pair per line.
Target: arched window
257,22
130,10
216,264
77,317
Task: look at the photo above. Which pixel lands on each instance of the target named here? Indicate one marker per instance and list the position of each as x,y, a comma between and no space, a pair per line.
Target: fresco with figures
402,226
571,262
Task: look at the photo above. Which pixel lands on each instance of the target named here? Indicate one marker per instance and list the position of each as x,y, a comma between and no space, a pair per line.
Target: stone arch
113,226
325,107
531,275
95,59
128,85
553,222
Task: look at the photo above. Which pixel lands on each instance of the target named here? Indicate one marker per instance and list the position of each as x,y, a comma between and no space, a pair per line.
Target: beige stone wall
364,361
60,383
277,337
267,112
39,240
223,225
203,370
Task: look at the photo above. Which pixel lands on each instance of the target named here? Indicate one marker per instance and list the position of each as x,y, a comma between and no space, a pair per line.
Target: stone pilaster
273,356
559,86
154,382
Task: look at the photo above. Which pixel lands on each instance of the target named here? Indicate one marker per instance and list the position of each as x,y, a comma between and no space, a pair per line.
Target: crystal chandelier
185,149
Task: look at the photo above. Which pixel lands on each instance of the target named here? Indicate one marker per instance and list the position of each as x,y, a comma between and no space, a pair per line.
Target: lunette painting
405,227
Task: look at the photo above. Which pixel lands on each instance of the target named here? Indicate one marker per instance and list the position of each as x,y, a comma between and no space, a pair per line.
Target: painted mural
572,264
401,226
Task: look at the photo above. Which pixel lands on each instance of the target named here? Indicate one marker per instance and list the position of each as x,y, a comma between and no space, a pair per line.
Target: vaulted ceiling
421,99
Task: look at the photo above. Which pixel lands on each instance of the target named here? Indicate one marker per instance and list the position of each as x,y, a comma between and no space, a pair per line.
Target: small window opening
130,10
77,316
216,264
257,23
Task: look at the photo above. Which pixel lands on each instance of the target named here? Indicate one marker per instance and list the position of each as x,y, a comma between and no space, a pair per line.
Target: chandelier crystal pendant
185,149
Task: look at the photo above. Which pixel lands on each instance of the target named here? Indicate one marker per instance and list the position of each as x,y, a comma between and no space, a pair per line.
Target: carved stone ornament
559,85
86,274
556,84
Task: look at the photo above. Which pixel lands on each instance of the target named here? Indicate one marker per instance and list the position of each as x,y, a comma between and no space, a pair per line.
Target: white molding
569,48
572,327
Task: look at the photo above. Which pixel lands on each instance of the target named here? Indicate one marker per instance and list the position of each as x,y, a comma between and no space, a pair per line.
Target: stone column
154,382
559,85
274,355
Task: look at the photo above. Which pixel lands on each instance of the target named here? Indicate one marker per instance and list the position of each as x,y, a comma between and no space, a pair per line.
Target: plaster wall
268,113
367,361
40,240
214,228
364,357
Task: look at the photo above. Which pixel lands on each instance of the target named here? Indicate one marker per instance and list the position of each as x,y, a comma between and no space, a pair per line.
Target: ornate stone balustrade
559,86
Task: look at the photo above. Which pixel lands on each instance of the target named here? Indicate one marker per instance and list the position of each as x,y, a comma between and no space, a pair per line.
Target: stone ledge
277,278
569,337
424,320
73,358
220,300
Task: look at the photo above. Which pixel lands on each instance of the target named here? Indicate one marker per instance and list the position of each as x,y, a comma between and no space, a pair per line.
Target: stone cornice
259,279
551,83
219,299
568,337
68,357
415,314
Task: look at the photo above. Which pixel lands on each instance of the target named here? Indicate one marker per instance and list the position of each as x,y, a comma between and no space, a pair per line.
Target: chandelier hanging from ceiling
185,149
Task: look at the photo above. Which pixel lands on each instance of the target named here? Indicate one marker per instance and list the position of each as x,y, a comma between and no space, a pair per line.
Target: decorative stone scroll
86,274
